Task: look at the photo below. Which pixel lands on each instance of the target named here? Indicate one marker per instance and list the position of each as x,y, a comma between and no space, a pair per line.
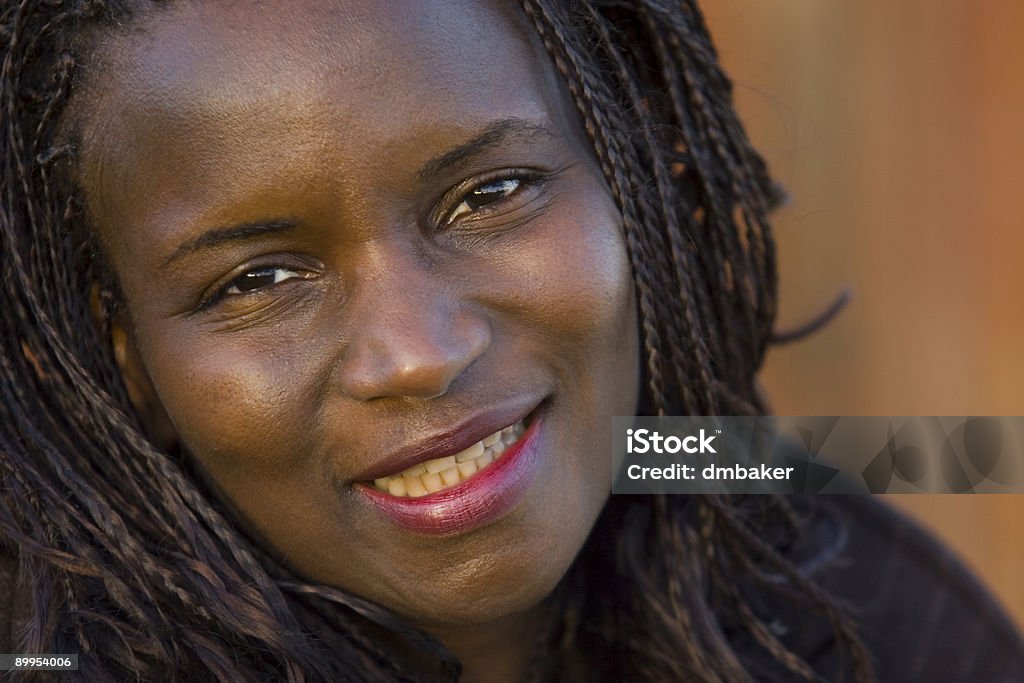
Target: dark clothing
922,616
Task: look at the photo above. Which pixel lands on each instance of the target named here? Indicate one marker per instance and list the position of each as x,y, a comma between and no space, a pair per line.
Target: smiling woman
316,323
321,291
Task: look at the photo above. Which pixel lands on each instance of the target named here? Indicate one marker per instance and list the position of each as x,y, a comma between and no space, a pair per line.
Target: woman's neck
496,652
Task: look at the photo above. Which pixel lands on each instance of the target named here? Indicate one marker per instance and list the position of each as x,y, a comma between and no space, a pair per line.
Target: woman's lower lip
481,499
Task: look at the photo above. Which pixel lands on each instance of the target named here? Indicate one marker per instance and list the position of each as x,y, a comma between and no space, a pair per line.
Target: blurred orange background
898,130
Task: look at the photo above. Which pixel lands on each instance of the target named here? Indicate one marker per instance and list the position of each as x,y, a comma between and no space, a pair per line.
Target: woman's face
354,241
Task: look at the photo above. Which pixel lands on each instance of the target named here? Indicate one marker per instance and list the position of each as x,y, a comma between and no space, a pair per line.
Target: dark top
922,615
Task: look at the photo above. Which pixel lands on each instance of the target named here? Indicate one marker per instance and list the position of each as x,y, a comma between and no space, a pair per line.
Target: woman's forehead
244,47
232,88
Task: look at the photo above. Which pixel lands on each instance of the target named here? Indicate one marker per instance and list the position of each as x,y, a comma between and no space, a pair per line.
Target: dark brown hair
130,564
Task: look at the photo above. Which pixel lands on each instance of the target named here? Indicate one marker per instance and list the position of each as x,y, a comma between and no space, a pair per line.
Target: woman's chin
495,598
499,583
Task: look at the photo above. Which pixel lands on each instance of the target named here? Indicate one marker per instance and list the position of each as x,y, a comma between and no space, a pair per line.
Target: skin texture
389,321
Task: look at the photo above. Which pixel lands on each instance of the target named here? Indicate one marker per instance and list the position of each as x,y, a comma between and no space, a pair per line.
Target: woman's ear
136,379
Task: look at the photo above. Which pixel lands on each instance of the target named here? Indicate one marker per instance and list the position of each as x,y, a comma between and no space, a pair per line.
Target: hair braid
598,128
690,357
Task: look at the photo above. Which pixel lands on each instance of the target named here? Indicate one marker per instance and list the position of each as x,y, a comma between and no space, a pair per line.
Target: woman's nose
408,339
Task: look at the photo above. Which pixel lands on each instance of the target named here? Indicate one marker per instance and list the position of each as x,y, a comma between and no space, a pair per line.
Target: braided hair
128,562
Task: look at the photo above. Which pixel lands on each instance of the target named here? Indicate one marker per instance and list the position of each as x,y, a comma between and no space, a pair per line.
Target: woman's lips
430,498
438,474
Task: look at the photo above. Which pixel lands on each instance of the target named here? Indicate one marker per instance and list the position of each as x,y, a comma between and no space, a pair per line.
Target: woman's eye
258,278
484,195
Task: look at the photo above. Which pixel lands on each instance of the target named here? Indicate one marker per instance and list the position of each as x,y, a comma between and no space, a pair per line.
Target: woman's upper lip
449,441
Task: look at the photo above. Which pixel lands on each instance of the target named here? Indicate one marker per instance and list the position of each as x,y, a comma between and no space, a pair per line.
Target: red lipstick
473,503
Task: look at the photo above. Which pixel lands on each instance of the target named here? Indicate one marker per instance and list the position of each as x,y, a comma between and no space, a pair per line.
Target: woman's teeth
435,475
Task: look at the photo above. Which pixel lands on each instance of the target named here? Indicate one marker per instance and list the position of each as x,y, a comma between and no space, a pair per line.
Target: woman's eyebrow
492,136
232,233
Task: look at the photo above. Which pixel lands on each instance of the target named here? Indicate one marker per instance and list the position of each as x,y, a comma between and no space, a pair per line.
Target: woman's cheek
238,405
576,278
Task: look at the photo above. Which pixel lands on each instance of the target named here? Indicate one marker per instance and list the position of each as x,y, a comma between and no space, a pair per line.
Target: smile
438,474
465,490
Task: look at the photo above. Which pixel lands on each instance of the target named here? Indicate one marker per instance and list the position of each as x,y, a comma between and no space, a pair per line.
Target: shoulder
921,613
